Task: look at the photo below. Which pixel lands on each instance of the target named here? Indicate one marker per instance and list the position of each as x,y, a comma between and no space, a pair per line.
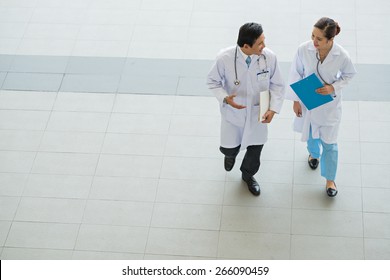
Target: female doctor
320,126
237,77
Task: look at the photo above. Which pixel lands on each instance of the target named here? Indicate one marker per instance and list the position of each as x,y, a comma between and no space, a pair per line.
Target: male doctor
236,78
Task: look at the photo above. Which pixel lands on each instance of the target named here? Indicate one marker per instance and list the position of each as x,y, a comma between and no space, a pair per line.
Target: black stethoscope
318,71
265,71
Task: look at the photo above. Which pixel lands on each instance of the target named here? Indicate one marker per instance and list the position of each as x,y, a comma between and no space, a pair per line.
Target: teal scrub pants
328,158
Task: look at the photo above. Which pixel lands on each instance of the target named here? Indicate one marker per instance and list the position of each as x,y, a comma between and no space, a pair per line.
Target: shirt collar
243,54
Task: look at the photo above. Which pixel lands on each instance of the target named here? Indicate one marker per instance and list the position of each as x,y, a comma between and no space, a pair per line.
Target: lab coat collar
243,54
334,51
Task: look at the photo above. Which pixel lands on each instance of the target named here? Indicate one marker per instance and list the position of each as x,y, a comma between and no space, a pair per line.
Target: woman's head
328,26
324,31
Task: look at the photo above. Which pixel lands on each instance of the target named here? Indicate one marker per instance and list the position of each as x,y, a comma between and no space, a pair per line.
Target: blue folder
306,91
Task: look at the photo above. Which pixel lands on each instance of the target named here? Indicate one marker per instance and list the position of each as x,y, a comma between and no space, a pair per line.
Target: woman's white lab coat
337,69
241,126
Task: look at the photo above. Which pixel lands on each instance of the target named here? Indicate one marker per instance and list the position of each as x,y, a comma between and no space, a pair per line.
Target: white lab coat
337,69
241,126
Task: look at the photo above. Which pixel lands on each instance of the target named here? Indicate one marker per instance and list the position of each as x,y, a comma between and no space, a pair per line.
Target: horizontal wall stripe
149,76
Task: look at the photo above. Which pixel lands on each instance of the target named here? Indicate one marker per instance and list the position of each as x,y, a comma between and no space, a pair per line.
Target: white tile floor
84,176
125,176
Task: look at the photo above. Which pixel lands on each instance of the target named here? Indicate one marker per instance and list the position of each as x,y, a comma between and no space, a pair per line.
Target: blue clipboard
306,91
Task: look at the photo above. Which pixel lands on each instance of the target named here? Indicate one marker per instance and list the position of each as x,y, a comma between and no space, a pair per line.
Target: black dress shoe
331,192
313,162
253,186
229,163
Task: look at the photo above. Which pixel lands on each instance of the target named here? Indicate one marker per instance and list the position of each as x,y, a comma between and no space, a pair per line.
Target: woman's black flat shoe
313,162
331,192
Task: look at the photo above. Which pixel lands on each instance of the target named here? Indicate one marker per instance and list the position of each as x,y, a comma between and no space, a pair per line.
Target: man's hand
268,116
230,101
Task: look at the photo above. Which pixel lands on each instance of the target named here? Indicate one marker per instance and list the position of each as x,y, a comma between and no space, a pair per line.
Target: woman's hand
297,109
325,90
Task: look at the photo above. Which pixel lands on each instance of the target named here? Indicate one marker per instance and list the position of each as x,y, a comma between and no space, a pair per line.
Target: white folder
264,104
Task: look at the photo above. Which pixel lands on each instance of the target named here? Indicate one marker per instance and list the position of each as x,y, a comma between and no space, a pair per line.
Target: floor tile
39,64
10,206
134,144
190,191
23,119
327,223
27,100
15,161
123,188
105,238
129,166
192,146
65,163
137,123
377,249
92,255
375,175
201,126
118,213
84,102
306,247
78,121
135,103
20,140
4,229
373,153
42,235
186,216
72,142
141,85
54,210
246,245
12,184
58,186
90,83
198,243
35,254
95,65
182,168
33,81
375,200
376,225
256,219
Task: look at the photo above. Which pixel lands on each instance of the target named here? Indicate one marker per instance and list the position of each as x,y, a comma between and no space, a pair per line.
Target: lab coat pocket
234,116
255,114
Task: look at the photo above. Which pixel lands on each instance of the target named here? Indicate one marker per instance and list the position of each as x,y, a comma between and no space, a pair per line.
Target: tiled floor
114,169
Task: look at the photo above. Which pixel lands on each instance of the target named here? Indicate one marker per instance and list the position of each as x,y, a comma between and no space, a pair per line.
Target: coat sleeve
215,80
346,74
296,74
276,88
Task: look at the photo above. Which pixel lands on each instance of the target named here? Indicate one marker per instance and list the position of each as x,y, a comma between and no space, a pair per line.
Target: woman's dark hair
249,33
328,26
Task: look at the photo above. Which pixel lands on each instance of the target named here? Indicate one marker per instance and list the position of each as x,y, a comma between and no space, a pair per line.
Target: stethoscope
265,71
318,71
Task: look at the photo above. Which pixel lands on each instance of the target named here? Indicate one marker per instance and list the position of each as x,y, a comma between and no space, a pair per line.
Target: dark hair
249,33
328,26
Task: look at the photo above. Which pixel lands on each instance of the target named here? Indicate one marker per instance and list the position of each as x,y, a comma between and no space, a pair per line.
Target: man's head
251,38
